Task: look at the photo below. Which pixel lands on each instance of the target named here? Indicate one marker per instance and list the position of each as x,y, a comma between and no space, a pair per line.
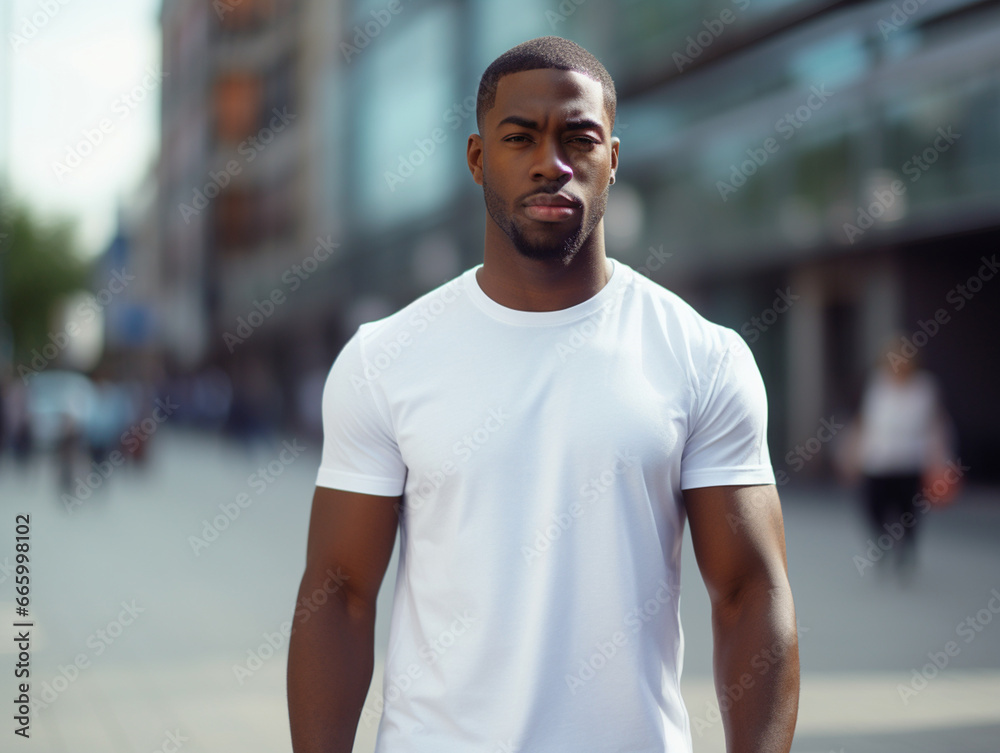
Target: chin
562,248
563,252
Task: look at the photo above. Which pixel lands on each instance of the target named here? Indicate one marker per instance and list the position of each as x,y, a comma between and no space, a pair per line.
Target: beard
564,249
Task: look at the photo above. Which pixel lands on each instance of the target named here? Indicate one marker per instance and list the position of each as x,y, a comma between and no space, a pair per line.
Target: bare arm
739,542
331,649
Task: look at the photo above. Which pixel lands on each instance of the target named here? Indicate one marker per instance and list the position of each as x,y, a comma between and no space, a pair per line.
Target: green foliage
38,269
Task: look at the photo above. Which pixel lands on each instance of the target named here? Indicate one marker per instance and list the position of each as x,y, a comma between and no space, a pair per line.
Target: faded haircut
543,52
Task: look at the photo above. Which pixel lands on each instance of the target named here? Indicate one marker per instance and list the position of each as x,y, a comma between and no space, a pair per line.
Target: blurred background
201,200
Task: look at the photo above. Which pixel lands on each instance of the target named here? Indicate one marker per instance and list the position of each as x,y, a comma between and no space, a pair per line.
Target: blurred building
817,175
127,281
247,178
844,158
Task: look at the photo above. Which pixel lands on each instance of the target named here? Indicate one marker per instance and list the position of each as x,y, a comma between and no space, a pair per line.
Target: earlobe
474,157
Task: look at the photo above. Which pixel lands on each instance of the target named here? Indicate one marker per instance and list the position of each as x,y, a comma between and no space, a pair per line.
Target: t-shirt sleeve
727,441
360,452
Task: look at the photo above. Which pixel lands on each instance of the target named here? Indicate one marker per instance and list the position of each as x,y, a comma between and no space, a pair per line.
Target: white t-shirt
541,456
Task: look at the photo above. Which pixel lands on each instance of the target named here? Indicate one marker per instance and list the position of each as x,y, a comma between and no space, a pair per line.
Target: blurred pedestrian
902,443
71,448
18,422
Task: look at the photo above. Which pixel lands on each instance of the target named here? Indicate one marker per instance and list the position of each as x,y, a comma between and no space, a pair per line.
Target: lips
547,207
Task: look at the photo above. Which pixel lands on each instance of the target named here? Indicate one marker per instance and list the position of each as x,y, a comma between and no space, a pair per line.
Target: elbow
321,588
765,598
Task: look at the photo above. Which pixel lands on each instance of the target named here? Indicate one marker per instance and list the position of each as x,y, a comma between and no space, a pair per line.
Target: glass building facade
827,150
844,154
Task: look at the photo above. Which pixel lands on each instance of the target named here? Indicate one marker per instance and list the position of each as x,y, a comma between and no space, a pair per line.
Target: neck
517,282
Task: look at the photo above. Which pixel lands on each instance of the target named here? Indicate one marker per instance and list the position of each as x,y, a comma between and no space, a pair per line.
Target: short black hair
543,52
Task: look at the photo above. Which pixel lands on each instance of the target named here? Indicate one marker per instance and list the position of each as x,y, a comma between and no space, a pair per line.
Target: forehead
548,92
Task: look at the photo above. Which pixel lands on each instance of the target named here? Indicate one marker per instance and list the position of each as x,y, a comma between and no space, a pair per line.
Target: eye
517,138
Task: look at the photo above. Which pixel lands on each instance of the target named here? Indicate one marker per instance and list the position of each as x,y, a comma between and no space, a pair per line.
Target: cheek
497,174
592,168
596,176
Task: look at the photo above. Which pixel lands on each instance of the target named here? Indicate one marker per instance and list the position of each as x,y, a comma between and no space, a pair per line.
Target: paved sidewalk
195,664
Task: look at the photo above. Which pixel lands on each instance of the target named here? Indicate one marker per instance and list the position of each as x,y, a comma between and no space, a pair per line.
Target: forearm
330,662
757,668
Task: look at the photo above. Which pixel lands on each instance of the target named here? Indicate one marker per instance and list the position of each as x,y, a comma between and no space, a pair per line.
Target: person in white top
903,437
539,429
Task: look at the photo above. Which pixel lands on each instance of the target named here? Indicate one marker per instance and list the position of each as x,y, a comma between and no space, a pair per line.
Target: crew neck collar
543,318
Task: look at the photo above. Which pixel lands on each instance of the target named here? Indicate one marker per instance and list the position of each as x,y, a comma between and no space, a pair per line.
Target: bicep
738,536
351,535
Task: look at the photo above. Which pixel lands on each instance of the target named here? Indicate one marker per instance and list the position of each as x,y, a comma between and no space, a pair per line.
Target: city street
158,616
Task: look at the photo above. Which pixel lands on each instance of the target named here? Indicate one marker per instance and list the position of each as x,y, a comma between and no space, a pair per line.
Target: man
544,423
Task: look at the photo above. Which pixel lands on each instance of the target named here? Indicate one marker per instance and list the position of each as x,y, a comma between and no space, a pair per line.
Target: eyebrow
573,124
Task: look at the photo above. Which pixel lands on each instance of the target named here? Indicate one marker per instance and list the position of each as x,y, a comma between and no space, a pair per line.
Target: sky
80,107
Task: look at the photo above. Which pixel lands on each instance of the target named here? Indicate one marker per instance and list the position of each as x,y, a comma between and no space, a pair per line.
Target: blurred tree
39,267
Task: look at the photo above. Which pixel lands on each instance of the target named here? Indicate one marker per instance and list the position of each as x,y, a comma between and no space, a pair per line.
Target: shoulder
693,338
437,306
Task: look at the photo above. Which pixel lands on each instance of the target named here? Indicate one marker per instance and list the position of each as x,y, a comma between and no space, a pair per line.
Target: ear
474,156
615,141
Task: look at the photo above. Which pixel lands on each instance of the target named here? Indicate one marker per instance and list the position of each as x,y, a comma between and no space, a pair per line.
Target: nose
551,163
